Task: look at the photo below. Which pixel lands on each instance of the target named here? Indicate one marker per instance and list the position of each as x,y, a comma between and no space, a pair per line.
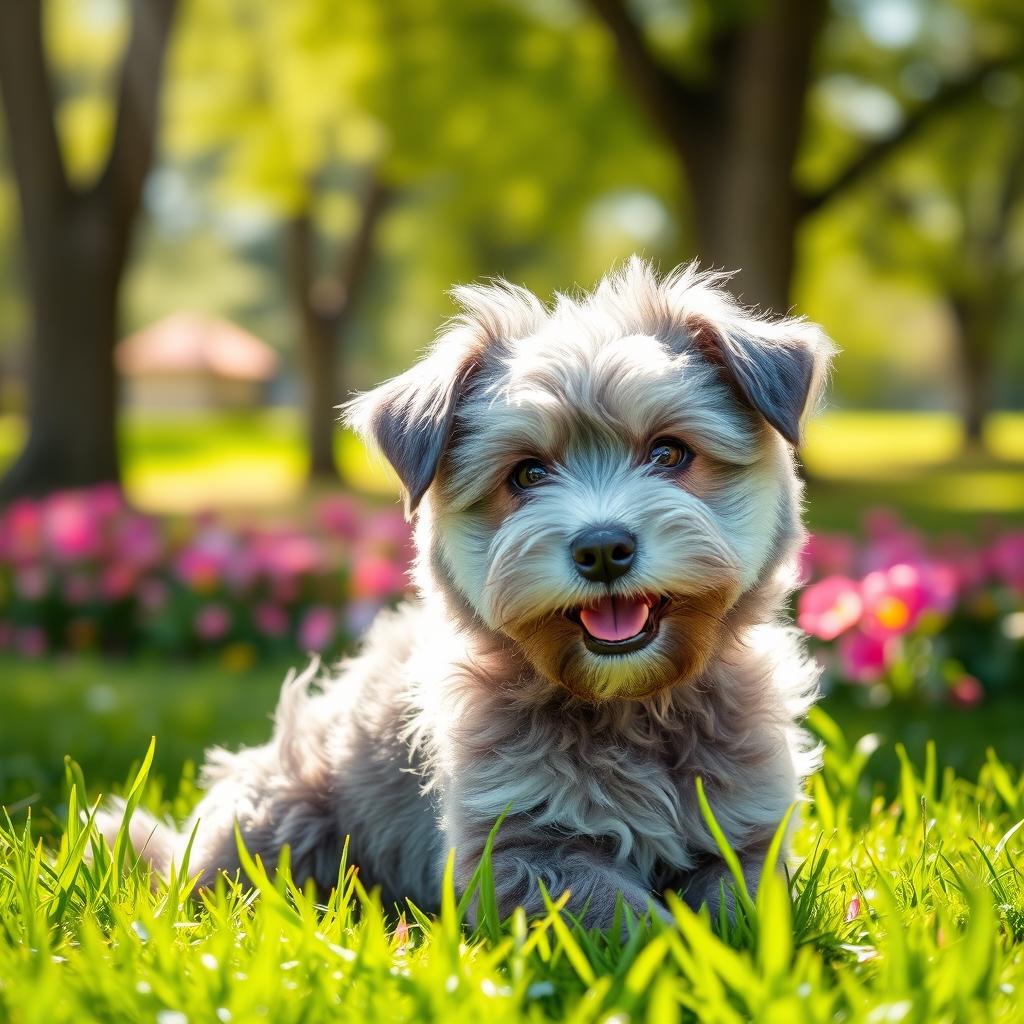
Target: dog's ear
778,366
410,417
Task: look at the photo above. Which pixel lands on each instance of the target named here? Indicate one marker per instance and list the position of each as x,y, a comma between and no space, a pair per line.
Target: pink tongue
615,618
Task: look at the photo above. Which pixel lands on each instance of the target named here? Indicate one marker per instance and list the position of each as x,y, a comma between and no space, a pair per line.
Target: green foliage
909,907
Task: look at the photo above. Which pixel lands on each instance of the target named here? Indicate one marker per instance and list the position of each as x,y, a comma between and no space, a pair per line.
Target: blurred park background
220,217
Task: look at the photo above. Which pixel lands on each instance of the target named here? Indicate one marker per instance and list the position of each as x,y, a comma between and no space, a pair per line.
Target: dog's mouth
619,625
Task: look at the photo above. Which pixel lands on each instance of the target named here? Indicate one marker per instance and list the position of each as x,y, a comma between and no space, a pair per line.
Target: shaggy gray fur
480,694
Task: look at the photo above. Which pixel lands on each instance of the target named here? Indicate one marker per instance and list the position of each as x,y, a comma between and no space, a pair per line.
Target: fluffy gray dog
607,520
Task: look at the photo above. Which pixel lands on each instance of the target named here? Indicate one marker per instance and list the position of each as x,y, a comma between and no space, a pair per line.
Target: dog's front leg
707,882
593,879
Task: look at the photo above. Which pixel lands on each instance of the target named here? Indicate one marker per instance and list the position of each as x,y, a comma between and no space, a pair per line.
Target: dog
607,521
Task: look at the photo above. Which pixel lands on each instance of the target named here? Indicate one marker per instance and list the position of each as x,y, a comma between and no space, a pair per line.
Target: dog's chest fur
621,775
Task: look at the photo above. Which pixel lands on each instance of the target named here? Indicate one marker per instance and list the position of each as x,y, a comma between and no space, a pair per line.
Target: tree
952,214
730,105
75,242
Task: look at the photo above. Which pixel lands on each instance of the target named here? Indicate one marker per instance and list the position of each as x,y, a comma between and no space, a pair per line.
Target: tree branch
673,105
29,108
358,255
916,121
138,110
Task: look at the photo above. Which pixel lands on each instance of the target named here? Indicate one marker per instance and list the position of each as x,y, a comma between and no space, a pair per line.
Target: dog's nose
604,554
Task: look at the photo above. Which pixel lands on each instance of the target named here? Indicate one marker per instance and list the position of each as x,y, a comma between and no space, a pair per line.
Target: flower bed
909,617
81,570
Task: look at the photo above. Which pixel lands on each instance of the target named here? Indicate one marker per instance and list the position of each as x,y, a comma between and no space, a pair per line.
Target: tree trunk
72,438
76,244
325,305
977,322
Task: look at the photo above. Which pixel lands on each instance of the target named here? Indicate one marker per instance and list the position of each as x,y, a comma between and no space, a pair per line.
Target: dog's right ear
410,417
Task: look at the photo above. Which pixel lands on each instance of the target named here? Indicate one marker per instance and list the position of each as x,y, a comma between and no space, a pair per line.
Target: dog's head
603,481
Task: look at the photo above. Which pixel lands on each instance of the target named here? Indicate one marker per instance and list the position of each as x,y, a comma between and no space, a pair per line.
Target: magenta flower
77,588
829,608
153,594
967,691
117,581
72,527
271,619
318,629
22,533
827,554
339,515
1006,560
30,642
895,599
32,582
863,658
376,576
212,622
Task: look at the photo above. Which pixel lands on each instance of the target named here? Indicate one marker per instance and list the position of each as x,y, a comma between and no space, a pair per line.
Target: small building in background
194,361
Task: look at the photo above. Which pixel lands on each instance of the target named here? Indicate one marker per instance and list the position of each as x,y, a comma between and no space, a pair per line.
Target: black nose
603,554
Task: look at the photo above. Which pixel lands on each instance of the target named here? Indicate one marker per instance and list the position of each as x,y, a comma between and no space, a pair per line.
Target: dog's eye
668,454
528,473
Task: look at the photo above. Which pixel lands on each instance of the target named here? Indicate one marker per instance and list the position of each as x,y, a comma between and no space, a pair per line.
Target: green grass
904,900
855,459
907,905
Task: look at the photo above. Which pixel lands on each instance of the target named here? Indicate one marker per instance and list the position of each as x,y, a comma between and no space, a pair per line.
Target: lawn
904,898
905,895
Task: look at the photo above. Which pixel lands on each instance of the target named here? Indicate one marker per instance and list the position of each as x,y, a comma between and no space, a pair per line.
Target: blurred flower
31,582
827,554
72,526
153,594
829,608
237,657
117,581
897,597
271,619
30,641
22,533
359,615
1006,559
212,622
862,658
376,576
967,691
339,515
77,588
317,629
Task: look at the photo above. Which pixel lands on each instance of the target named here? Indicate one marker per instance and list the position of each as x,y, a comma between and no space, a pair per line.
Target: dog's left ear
410,418
778,366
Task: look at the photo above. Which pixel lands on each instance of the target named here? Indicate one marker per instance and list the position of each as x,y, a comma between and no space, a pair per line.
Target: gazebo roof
196,343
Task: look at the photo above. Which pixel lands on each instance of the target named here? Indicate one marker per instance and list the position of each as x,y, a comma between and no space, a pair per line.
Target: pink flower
827,554
117,581
138,542
32,582
339,515
153,594
293,555
22,531
376,576
317,629
72,527
106,500
896,598
78,588
204,564
212,622
829,608
863,658
967,692
1006,560
30,642
271,619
